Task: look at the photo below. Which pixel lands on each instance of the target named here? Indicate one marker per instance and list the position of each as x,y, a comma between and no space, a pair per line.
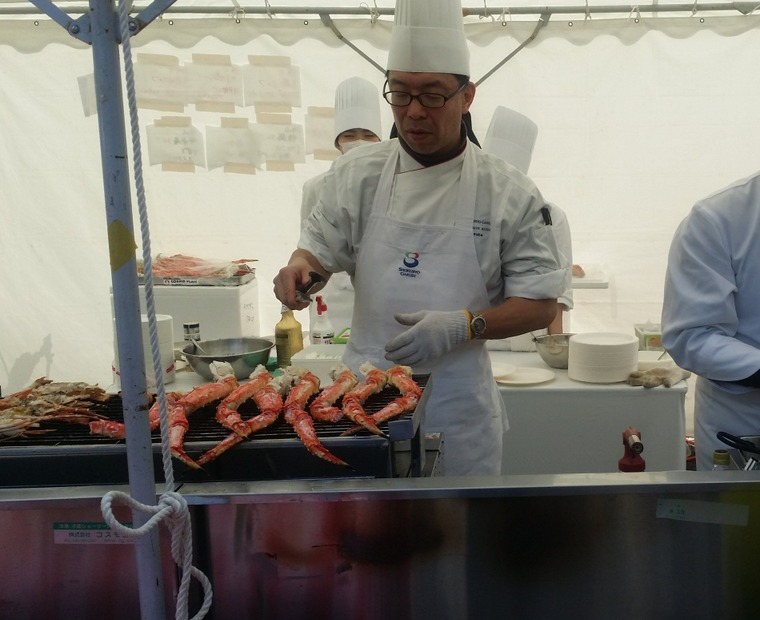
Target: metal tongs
302,292
742,445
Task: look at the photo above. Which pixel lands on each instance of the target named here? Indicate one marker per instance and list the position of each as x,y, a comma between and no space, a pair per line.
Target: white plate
526,376
501,370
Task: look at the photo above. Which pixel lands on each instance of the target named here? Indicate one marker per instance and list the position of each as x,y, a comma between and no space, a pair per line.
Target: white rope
171,505
374,14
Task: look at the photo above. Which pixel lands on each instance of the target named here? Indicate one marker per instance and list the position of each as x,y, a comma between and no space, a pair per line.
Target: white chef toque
511,136
357,106
428,37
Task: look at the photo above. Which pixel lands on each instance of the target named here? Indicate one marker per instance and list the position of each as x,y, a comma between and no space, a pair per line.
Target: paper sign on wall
234,145
175,144
320,129
273,81
215,84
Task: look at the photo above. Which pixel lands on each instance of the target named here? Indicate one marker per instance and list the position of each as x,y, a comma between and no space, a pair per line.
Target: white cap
428,37
511,136
357,106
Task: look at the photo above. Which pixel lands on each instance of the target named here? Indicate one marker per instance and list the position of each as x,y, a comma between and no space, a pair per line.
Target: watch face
478,325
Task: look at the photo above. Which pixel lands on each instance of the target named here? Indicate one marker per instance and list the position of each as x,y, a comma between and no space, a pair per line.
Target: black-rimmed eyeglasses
401,99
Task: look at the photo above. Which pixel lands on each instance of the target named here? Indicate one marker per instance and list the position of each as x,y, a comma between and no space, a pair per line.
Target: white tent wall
637,121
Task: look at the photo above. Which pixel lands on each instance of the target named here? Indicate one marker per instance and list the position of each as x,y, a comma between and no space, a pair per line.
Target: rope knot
175,502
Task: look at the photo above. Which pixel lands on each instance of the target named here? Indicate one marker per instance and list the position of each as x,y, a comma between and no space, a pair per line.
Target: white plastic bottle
322,332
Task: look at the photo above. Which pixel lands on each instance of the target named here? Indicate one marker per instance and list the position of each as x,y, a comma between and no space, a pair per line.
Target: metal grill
68,454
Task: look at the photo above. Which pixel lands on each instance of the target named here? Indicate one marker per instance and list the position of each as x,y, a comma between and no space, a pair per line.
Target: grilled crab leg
375,380
179,408
323,407
269,401
195,399
306,386
17,421
227,411
401,378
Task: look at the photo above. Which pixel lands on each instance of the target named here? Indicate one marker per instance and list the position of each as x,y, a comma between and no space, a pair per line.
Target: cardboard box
222,311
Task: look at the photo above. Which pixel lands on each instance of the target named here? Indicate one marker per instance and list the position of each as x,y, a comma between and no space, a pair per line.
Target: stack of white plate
602,357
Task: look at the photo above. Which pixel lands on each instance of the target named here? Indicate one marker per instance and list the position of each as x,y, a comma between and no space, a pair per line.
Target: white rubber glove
658,376
432,333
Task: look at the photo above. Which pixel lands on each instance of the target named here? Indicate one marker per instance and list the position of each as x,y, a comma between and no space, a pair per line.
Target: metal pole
116,185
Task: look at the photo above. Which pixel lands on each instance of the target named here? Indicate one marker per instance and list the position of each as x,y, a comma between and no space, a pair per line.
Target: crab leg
179,407
401,378
269,401
375,380
323,406
227,411
194,400
295,415
117,430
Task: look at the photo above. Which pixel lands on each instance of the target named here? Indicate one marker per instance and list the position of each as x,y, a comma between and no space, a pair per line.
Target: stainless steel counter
657,545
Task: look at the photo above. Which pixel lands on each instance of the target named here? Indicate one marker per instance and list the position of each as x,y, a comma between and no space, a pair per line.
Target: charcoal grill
68,455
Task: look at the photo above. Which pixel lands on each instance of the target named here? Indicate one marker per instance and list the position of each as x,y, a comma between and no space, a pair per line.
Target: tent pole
117,194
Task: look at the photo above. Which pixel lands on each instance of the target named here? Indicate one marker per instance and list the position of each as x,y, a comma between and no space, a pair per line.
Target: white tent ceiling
639,115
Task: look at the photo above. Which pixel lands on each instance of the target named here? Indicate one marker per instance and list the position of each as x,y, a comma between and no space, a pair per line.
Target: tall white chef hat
511,136
428,37
357,106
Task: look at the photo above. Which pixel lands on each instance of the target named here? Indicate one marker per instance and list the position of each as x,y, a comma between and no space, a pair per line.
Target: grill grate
203,425
67,454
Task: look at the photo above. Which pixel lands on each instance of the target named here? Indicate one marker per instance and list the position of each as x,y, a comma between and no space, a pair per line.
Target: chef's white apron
718,410
405,268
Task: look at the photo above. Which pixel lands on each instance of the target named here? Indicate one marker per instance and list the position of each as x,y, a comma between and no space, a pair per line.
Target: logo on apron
410,261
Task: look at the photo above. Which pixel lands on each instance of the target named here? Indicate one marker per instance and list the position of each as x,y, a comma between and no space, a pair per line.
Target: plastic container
320,359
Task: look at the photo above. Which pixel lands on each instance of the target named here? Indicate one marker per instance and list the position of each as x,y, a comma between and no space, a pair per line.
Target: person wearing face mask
512,136
446,244
357,123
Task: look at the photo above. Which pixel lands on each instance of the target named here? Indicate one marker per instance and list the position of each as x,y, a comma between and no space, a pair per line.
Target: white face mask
345,147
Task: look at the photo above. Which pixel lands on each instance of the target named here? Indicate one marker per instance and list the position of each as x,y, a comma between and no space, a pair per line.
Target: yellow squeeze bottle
288,337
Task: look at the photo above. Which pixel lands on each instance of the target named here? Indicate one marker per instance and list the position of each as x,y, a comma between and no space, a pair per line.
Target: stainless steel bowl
554,349
243,354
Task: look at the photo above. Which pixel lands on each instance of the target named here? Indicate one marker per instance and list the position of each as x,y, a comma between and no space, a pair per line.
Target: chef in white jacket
446,243
357,123
512,136
711,312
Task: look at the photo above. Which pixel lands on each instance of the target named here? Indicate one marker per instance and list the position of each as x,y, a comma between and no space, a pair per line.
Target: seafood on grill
179,407
227,411
195,399
117,430
269,401
22,413
21,421
399,377
353,402
306,385
323,407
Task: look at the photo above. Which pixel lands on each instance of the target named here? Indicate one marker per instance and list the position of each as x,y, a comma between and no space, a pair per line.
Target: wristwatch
477,325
